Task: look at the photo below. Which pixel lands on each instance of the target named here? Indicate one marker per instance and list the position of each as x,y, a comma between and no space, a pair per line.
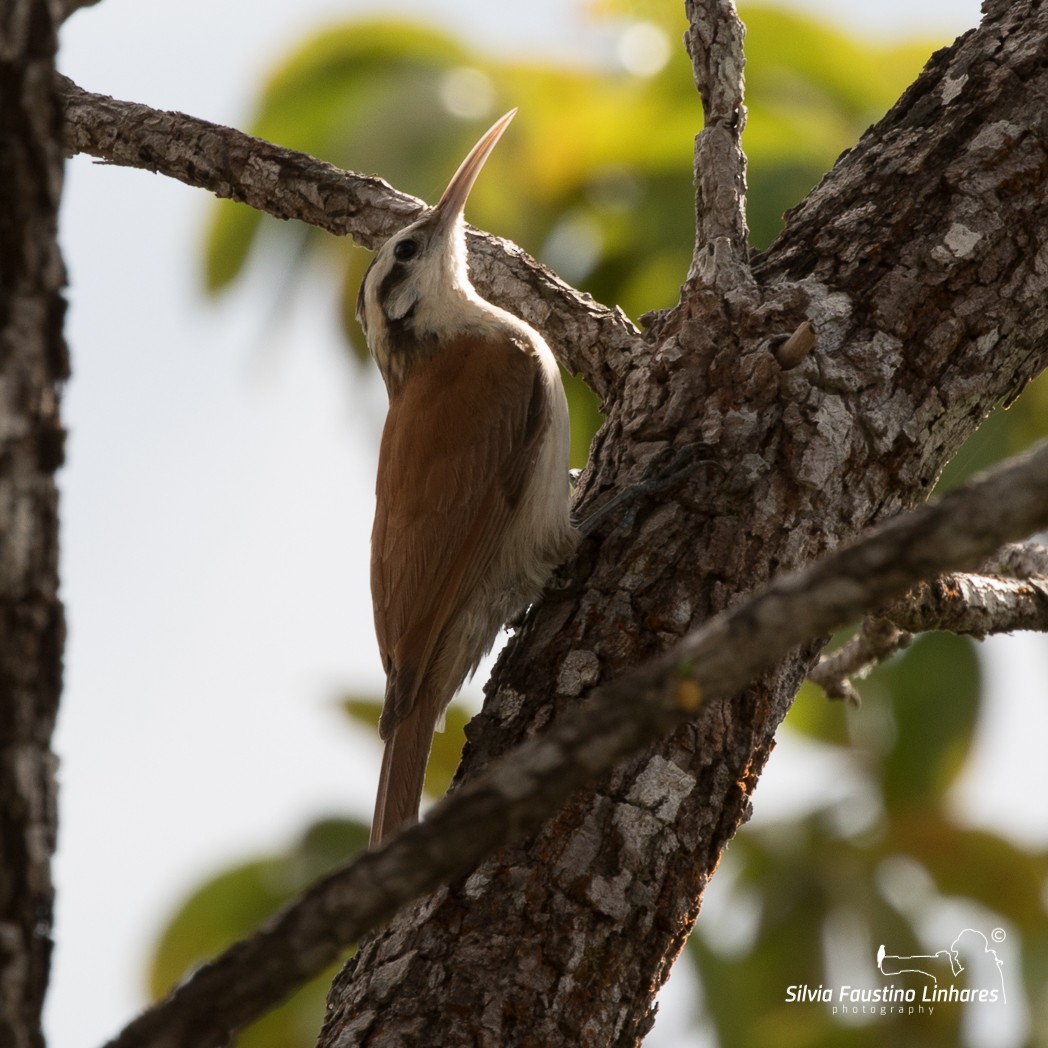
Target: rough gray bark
32,366
921,263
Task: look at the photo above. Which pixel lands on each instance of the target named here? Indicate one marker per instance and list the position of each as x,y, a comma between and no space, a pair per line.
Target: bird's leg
682,464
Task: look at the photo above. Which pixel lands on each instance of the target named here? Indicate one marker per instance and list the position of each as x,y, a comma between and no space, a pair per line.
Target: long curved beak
453,201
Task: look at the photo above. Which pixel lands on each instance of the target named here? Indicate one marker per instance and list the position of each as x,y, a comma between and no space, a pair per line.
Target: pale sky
217,504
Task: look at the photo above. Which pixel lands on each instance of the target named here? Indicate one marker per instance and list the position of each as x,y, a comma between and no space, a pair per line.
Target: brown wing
457,449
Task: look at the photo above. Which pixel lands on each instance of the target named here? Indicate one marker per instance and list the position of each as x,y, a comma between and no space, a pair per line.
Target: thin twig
714,41
877,640
969,605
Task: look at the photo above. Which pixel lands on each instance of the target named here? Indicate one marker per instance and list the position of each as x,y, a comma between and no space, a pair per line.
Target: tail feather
403,771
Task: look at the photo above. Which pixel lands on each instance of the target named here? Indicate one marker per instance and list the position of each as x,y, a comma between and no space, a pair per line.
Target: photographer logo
969,970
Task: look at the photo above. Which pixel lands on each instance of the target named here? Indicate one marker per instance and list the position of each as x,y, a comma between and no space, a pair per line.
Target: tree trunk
33,364
922,263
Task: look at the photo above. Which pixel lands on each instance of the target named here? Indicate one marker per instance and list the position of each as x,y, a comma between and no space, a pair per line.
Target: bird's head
417,288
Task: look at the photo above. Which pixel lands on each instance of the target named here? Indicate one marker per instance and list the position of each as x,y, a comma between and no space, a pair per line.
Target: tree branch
1018,561
714,42
281,182
970,605
69,7
588,338
33,365
904,243
519,791
877,640
975,605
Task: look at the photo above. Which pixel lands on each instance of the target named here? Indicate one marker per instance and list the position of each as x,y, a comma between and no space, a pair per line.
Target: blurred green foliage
234,903
594,178
818,894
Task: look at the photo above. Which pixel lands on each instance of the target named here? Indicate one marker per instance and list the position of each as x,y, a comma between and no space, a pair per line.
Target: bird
472,496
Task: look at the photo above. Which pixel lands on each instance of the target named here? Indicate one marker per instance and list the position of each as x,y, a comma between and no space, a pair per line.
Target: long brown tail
403,771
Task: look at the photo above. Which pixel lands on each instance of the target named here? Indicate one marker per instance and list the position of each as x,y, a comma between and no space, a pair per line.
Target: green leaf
232,904
978,865
364,709
585,417
229,239
933,703
1005,432
818,717
446,753
333,95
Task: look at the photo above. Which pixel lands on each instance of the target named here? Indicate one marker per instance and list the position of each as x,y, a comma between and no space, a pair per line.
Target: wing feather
457,450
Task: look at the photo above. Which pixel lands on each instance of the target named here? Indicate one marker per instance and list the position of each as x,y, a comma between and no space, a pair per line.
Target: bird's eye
405,249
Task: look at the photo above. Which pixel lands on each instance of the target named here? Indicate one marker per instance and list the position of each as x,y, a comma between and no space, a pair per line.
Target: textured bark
922,263
32,366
